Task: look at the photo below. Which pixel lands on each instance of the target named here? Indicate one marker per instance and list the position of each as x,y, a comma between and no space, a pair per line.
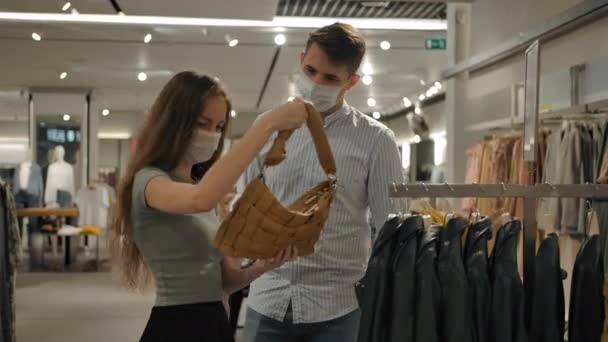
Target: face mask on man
322,97
203,146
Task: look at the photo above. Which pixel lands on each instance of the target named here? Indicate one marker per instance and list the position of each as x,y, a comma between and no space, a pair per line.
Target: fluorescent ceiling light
66,6
148,38
286,22
63,75
36,37
233,43
114,135
385,45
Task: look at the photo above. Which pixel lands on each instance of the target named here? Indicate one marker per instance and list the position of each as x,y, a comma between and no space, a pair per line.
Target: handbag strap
277,152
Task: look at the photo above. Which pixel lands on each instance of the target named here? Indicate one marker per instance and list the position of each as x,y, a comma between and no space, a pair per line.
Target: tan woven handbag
259,226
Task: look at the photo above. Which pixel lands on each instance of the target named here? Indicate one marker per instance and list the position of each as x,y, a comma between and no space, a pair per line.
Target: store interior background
104,62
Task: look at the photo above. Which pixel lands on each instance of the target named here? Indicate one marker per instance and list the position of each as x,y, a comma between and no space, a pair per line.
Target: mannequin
59,181
27,186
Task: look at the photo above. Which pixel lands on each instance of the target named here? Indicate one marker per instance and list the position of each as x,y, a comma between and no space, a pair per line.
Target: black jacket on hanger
507,309
455,319
374,290
403,269
428,289
547,318
586,316
476,266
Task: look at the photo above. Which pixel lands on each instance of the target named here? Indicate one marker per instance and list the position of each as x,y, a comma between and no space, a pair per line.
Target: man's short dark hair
343,44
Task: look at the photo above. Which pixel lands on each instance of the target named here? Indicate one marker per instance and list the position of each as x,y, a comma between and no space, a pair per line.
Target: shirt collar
342,111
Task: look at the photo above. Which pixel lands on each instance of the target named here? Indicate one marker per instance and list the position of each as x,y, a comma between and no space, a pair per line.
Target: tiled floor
78,307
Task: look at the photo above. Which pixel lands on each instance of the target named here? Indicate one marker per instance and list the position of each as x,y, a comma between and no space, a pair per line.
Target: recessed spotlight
63,75
367,79
371,102
105,112
142,76
367,69
385,45
291,98
280,39
36,37
438,85
233,42
233,113
422,97
147,38
376,115
74,11
66,117
407,102
66,6
417,110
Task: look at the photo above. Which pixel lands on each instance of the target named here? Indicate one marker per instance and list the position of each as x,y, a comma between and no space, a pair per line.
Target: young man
313,298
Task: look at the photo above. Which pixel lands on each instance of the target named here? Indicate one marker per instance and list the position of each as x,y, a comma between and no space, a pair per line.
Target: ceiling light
280,39
371,102
417,110
147,38
367,69
233,43
376,115
232,113
204,32
407,102
385,45
121,13
287,22
416,139
422,97
432,91
75,11
422,83
63,75
438,85
36,37
142,76
66,6
66,117
291,98
367,80
105,112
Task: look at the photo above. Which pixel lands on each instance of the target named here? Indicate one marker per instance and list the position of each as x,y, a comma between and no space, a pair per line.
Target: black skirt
188,323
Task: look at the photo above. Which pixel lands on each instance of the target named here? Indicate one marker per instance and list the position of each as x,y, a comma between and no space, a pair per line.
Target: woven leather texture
259,226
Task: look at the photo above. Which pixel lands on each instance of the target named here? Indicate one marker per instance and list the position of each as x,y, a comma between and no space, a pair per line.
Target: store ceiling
108,58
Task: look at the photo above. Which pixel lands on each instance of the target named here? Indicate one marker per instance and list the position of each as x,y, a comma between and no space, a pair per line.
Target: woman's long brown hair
161,143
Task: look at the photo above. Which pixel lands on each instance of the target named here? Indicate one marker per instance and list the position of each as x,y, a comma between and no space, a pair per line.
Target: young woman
165,222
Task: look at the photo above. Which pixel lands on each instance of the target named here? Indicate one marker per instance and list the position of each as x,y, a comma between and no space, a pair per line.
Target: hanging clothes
548,313
507,309
476,266
455,319
374,290
428,288
403,290
586,315
9,243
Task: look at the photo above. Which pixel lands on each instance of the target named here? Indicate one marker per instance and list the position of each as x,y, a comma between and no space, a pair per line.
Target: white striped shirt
320,287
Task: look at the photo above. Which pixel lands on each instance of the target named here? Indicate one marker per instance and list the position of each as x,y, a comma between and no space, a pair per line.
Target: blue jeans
259,328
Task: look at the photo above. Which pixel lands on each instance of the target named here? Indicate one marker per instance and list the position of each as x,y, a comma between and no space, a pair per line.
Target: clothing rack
530,193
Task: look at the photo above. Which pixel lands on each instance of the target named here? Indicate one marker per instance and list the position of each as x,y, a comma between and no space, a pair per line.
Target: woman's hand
286,255
290,115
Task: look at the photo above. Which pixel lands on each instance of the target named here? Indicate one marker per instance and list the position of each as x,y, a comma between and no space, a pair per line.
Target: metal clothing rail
530,193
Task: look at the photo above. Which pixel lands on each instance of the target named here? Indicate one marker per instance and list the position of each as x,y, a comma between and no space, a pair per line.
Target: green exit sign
435,44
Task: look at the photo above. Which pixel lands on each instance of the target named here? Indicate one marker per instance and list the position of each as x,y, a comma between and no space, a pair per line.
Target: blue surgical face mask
322,97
